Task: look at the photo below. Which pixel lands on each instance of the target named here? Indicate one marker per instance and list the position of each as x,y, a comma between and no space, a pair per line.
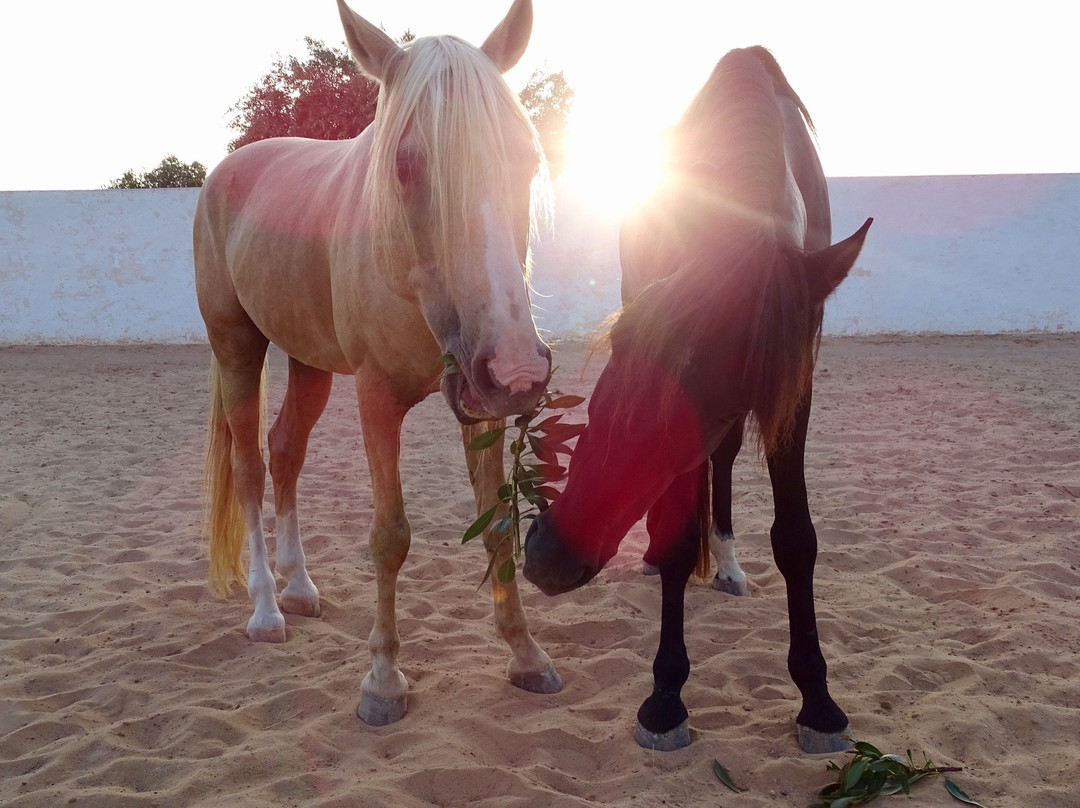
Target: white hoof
266,627
301,600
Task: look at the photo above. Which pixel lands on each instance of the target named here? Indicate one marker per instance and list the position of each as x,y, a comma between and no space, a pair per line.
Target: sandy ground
944,476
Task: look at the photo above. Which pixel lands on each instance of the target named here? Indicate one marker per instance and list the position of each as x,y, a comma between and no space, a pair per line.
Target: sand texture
945,483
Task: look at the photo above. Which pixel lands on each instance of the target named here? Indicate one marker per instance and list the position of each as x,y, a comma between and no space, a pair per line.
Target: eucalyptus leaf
958,793
486,440
867,749
565,402
871,774
507,570
547,423
487,572
854,774
724,776
528,483
477,527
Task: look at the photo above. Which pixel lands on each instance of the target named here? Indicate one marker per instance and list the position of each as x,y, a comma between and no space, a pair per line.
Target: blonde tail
703,567
224,525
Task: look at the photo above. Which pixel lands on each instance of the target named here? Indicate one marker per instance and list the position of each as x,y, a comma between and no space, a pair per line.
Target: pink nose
520,376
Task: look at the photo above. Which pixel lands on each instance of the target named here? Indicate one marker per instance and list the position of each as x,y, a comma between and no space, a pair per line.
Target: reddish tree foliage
325,97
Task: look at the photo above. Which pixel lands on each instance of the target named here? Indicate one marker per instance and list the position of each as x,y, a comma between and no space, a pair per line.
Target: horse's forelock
451,104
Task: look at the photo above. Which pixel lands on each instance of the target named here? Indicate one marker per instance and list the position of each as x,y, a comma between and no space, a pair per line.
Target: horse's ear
506,44
372,49
825,269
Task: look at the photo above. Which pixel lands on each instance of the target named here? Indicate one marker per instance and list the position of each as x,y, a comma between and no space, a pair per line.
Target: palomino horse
738,237
373,257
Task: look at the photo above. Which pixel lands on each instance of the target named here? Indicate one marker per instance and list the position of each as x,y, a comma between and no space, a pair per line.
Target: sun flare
612,169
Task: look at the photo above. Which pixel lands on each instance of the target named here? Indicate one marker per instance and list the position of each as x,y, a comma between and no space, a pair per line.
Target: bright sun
609,168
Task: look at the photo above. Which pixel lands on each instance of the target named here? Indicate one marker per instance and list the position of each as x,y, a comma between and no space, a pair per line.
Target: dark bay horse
737,246
373,257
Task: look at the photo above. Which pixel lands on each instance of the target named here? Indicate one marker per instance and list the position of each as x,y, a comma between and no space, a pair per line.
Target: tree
170,173
327,97
549,98
324,97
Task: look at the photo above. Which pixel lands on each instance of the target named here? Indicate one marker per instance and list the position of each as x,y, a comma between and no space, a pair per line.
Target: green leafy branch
870,774
535,451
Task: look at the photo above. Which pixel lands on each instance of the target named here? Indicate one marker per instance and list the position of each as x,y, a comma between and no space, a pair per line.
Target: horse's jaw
462,399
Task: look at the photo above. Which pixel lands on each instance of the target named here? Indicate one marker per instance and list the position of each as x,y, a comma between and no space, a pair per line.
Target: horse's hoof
303,605
731,586
545,681
678,738
378,712
649,569
266,629
814,742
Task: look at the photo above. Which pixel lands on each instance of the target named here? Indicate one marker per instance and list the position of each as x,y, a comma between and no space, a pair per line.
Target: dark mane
738,286
768,61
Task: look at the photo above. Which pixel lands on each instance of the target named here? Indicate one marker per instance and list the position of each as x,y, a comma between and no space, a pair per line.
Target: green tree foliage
170,173
325,96
549,98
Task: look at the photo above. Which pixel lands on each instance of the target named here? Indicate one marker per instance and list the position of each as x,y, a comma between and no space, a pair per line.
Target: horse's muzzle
550,564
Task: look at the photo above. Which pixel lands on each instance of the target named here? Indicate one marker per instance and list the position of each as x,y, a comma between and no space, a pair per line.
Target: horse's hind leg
729,575
384,691
305,400
241,398
530,667
821,724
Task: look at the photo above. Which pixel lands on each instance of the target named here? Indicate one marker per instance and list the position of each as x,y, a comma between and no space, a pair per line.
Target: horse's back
265,226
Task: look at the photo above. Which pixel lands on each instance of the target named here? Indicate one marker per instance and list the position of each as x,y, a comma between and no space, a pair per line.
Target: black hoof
814,742
678,738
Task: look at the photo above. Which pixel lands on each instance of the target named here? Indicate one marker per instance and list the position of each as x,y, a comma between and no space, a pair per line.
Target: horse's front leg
384,691
821,724
674,541
530,667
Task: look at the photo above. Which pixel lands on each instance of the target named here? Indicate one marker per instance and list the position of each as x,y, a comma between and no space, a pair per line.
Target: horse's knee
390,542
794,547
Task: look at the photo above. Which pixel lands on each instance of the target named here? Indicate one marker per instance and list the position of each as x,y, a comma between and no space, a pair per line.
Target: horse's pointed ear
372,49
506,44
825,269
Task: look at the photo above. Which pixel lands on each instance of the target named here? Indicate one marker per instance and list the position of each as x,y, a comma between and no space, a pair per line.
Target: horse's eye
406,168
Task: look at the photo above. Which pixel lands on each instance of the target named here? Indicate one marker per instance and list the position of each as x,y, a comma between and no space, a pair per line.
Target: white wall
945,254
97,266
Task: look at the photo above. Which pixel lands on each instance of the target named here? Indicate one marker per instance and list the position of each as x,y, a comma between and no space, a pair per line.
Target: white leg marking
729,575
267,624
300,595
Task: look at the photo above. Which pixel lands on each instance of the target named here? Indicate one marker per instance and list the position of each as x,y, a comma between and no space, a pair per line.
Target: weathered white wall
946,254
97,266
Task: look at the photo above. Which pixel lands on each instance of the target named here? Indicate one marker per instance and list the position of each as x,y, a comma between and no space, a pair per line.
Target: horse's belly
290,303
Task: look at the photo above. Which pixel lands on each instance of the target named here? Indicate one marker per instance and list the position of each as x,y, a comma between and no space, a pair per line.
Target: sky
92,89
